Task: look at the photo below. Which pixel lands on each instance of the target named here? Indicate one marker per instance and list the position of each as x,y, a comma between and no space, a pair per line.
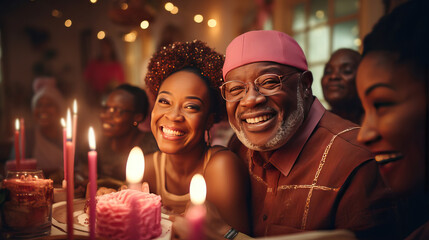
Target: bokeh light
101,35
212,23
144,24
68,23
175,10
198,18
169,6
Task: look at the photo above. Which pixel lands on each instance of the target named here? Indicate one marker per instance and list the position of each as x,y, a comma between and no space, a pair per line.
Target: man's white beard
287,129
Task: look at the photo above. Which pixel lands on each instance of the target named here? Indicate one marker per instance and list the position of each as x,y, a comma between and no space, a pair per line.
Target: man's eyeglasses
114,111
267,85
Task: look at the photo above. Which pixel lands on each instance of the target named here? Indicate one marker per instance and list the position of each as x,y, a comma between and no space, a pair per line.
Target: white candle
135,168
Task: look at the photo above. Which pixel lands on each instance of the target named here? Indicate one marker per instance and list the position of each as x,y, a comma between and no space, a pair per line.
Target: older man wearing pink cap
308,171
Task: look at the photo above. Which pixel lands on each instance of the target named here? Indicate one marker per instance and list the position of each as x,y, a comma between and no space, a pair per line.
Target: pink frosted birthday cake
128,214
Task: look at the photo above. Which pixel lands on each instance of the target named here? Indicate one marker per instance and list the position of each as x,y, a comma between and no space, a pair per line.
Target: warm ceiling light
93,1
198,18
124,6
68,23
56,13
169,6
130,37
101,35
175,10
212,23
144,24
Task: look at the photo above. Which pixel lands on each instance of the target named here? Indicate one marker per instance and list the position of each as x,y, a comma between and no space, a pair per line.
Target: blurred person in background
44,137
338,84
124,109
103,73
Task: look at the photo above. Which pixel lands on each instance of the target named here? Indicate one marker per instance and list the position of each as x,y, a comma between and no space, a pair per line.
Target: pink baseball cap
264,46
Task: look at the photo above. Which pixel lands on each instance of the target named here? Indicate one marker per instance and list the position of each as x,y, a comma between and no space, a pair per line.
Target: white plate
59,216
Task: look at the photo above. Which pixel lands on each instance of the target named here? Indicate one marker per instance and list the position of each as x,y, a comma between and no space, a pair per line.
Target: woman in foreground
185,78
392,83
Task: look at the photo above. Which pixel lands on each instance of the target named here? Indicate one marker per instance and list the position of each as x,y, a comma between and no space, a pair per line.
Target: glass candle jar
26,211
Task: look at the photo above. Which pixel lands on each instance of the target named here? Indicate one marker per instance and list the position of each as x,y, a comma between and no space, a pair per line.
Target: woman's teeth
172,132
386,158
258,119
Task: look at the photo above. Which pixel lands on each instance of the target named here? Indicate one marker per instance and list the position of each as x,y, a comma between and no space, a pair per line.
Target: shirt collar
285,157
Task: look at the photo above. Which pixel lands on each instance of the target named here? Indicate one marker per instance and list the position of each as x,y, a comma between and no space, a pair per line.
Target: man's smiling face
265,123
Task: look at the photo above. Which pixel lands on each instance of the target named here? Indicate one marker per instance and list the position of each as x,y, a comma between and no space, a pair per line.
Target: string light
68,23
198,18
169,6
144,24
101,35
124,6
93,1
56,13
175,10
212,23
130,37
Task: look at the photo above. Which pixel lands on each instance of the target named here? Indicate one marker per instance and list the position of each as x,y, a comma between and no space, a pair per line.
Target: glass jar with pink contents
26,204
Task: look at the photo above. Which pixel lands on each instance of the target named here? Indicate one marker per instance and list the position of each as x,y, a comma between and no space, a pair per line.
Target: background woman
185,78
339,86
124,109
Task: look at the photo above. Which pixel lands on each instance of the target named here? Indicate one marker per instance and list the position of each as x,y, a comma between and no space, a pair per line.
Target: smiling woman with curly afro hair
194,57
185,78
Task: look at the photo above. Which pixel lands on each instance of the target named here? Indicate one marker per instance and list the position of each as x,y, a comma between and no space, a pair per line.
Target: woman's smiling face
395,104
181,112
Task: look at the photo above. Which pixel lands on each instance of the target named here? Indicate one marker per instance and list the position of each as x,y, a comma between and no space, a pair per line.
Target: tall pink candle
17,152
196,213
63,123
22,140
70,178
74,126
92,164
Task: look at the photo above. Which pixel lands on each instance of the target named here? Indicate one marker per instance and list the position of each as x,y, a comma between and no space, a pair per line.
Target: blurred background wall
57,38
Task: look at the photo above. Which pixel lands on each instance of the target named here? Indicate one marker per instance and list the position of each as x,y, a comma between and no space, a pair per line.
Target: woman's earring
135,123
207,138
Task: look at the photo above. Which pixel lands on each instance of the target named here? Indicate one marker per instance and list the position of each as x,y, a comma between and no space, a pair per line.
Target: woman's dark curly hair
195,57
404,31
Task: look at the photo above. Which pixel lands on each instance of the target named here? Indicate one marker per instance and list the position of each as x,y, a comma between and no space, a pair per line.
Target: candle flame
91,139
198,189
63,122
75,107
69,125
17,124
135,166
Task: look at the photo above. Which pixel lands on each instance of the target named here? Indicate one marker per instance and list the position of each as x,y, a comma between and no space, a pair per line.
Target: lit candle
92,164
22,140
135,168
63,123
17,157
74,126
196,213
69,179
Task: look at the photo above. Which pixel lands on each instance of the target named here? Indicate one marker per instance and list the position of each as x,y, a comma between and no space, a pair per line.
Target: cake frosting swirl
128,214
